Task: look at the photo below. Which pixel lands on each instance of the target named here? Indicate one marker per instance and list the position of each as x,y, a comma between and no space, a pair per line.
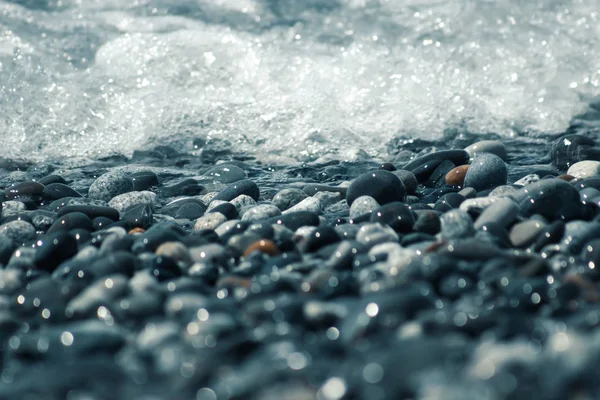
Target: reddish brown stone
136,230
263,245
566,177
456,176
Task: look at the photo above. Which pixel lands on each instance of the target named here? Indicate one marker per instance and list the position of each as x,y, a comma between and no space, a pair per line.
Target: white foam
286,78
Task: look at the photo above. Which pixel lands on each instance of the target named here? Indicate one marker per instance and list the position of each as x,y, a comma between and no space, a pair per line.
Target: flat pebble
485,172
109,185
381,185
310,204
456,224
123,201
363,205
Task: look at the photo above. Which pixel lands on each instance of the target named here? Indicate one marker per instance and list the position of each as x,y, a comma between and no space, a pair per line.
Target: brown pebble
234,281
263,245
456,176
136,231
566,177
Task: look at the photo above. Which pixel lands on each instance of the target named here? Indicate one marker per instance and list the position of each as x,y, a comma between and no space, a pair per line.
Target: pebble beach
316,200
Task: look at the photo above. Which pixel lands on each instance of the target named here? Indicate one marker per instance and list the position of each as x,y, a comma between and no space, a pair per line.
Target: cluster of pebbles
453,274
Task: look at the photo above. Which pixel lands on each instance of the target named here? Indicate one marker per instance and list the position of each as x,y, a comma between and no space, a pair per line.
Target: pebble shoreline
448,273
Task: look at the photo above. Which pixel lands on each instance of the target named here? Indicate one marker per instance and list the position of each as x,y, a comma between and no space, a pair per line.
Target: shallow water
286,80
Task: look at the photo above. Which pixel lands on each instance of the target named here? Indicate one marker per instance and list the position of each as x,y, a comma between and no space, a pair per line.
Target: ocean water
288,80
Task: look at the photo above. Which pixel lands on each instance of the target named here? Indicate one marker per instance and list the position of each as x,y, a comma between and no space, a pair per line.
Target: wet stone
226,208
12,207
261,212
456,224
313,188
288,198
381,185
243,187
523,234
42,220
54,248
56,191
328,198
363,205
138,215
242,203
310,204
32,190
584,169
19,232
48,179
571,149
209,221
485,172
143,180
226,173
123,201
456,176
73,220
109,185
185,187
527,179
487,146
409,180
551,198
91,211
395,215
502,212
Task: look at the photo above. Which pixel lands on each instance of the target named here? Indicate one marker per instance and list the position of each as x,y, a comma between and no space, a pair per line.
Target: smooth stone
225,208
577,233
138,216
119,262
571,149
295,220
263,246
52,249
230,228
503,212
243,187
226,173
388,166
363,205
143,180
318,238
209,221
209,253
395,215
101,223
287,198
438,175
504,190
261,212
383,186
55,191
314,188
190,211
328,198
48,179
373,233
186,187
468,193
589,193
487,146
243,202
22,258
449,201
126,200
427,222
409,180
24,189
486,172
310,204
590,254
551,198
91,211
456,224
11,280
456,176
109,185
118,240
7,246
584,169
478,204
73,220
19,232
523,234
154,237
423,166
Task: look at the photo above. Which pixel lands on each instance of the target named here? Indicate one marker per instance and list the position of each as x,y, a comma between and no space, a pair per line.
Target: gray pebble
527,179
18,231
209,221
456,224
522,234
124,201
309,204
12,207
363,205
376,233
584,169
260,212
502,212
487,146
242,201
101,292
109,185
328,198
288,198
485,172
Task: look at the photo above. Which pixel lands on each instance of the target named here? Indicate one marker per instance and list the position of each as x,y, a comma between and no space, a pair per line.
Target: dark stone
155,236
449,201
551,234
424,166
396,215
54,248
552,198
33,190
487,171
101,223
227,209
55,191
313,188
138,216
226,173
319,238
143,180
570,149
191,211
245,186
70,221
295,220
187,187
383,186
48,179
427,222
388,166
91,211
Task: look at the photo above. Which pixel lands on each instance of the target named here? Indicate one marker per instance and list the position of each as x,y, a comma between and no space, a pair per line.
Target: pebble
264,246
261,212
503,212
73,220
487,146
54,191
226,173
24,190
396,215
209,221
363,205
288,198
54,248
243,187
551,198
584,169
456,224
375,233
123,201
310,204
19,232
456,176
143,180
109,185
328,198
486,172
242,203
381,185
523,234
185,187
12,207
422,167
409,180
571,149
